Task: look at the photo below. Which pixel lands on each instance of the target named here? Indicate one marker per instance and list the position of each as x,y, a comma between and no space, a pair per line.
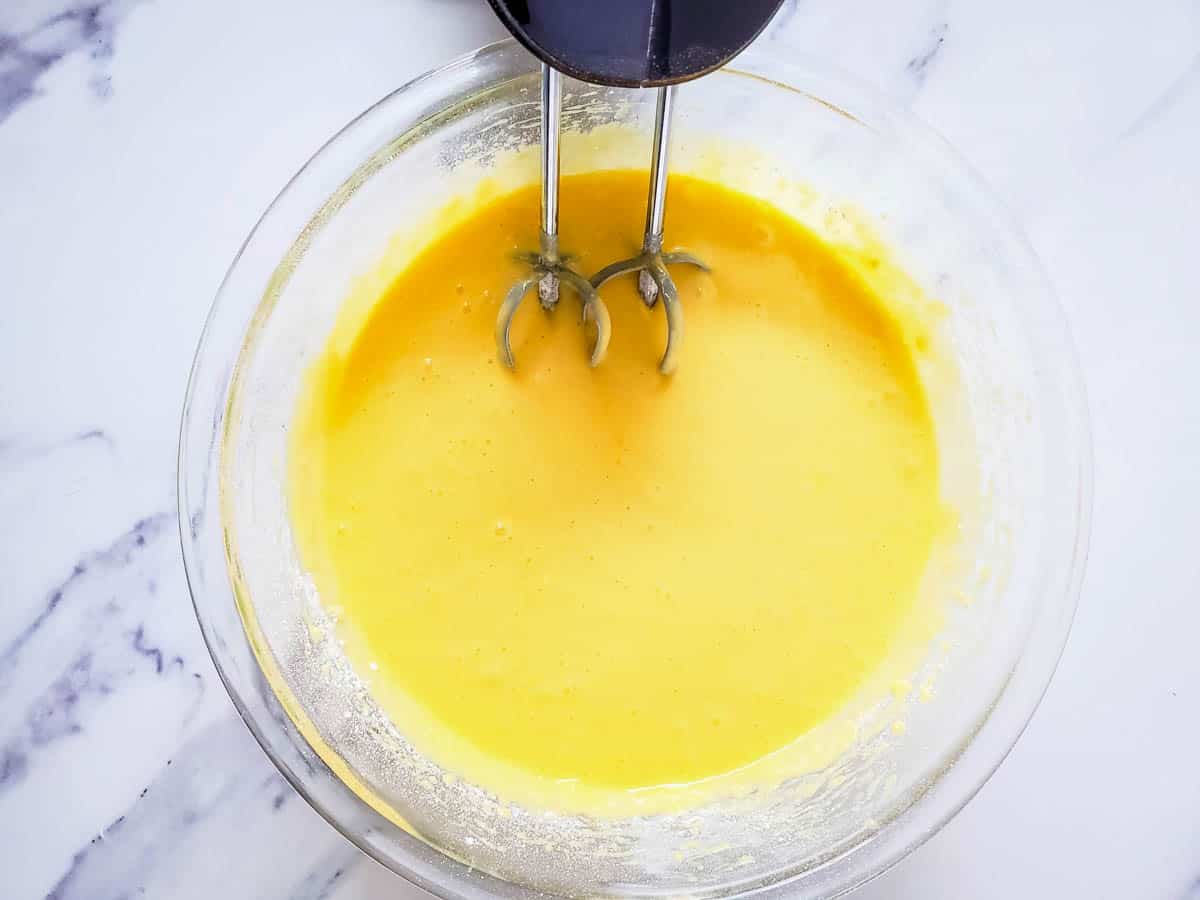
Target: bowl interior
1011,431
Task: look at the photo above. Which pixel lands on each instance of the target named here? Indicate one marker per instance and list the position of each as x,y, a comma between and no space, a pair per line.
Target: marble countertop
139,141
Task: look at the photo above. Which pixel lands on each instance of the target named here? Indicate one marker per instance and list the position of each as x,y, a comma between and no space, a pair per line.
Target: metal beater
550,268
651,264
623,43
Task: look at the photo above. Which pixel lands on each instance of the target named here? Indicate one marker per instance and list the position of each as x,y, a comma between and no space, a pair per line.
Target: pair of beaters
624,43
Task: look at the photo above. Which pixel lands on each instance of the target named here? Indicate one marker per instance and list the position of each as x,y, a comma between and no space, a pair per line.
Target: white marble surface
139,141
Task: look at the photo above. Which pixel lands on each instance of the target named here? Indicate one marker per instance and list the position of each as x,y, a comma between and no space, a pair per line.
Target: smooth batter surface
606,575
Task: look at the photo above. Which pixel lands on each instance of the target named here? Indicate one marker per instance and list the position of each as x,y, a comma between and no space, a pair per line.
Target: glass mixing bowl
1018,463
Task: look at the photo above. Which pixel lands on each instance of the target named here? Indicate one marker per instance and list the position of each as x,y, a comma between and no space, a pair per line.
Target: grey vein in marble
779,24
119,553
27,53
323,879
218,782
281,792
188,792
57,712
97,629
1164,101
919,65
318,885
155,654
14,451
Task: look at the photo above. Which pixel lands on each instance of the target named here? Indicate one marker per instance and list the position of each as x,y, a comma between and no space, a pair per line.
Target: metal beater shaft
656,206
551,132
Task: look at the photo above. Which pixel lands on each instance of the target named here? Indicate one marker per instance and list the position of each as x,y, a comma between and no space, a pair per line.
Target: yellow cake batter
608,576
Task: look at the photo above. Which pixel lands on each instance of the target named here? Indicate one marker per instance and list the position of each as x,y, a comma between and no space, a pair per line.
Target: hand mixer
622,43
